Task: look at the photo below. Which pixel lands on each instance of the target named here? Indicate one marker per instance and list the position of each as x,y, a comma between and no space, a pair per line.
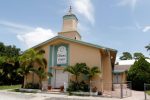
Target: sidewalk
5,95
136,95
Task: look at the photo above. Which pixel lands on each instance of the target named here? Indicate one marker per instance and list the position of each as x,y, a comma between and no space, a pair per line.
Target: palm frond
91,72
69,69
147,47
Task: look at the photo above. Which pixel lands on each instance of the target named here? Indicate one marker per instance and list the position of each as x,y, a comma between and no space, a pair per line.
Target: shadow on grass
23,91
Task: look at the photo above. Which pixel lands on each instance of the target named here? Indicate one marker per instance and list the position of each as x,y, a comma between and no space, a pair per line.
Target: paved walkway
4,95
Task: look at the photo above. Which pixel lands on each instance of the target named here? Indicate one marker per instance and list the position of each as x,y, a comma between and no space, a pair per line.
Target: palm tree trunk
25,81
22,86
77,83
76,79
90,87
32,78
40,84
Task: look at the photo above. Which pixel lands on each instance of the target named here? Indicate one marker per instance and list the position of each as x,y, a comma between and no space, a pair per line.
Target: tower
69,27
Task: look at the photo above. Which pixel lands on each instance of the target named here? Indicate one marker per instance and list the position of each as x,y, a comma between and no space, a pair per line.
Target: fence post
145,91
131,87
121,91
90,89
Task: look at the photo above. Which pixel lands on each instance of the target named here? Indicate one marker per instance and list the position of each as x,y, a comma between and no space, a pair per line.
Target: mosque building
67,48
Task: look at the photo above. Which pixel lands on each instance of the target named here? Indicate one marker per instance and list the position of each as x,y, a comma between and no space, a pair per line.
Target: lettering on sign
62,55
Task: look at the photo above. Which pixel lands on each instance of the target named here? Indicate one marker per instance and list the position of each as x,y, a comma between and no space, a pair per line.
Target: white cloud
146,28
29,36
85,8
36,36
14,25
131,3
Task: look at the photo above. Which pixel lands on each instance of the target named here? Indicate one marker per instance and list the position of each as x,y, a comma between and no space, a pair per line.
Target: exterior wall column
106,71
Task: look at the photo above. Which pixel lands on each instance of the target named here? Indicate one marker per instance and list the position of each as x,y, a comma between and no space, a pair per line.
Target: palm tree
76,71
24,71
42,74
126,56
90,73
30,60
147,47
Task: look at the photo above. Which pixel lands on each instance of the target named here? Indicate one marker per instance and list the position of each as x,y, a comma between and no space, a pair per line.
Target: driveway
4,95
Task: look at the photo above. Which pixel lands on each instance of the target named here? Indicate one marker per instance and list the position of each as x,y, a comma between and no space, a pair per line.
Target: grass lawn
148,92
10,87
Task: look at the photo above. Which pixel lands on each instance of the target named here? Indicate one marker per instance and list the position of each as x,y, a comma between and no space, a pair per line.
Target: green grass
10,87
148,92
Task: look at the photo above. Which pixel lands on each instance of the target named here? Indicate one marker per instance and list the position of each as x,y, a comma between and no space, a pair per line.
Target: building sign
61,55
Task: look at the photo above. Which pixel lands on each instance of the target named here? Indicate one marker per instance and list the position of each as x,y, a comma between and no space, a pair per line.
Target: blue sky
120,24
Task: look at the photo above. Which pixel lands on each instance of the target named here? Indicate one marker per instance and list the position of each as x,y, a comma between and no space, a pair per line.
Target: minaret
69,27
70,21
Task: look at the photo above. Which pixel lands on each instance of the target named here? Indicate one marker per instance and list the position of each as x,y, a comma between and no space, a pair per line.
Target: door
61,78
117,78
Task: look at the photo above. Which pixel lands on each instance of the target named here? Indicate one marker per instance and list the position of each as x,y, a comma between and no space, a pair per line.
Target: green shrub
32,86
139,73
74,86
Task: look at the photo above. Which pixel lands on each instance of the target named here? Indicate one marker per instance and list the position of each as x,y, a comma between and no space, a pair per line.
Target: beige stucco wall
71,34
81,53
69,25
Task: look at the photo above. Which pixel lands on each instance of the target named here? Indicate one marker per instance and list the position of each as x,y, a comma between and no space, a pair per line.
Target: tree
9,73
30,60
42,74
2,49
138,55
9,64
9,51
126,56
139,73
147,47
24,71
75,70
91,72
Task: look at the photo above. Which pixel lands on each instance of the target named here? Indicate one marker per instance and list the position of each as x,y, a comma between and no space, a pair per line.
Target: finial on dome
69,14
70,10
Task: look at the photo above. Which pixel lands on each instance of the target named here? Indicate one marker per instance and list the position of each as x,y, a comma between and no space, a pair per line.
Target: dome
70,16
